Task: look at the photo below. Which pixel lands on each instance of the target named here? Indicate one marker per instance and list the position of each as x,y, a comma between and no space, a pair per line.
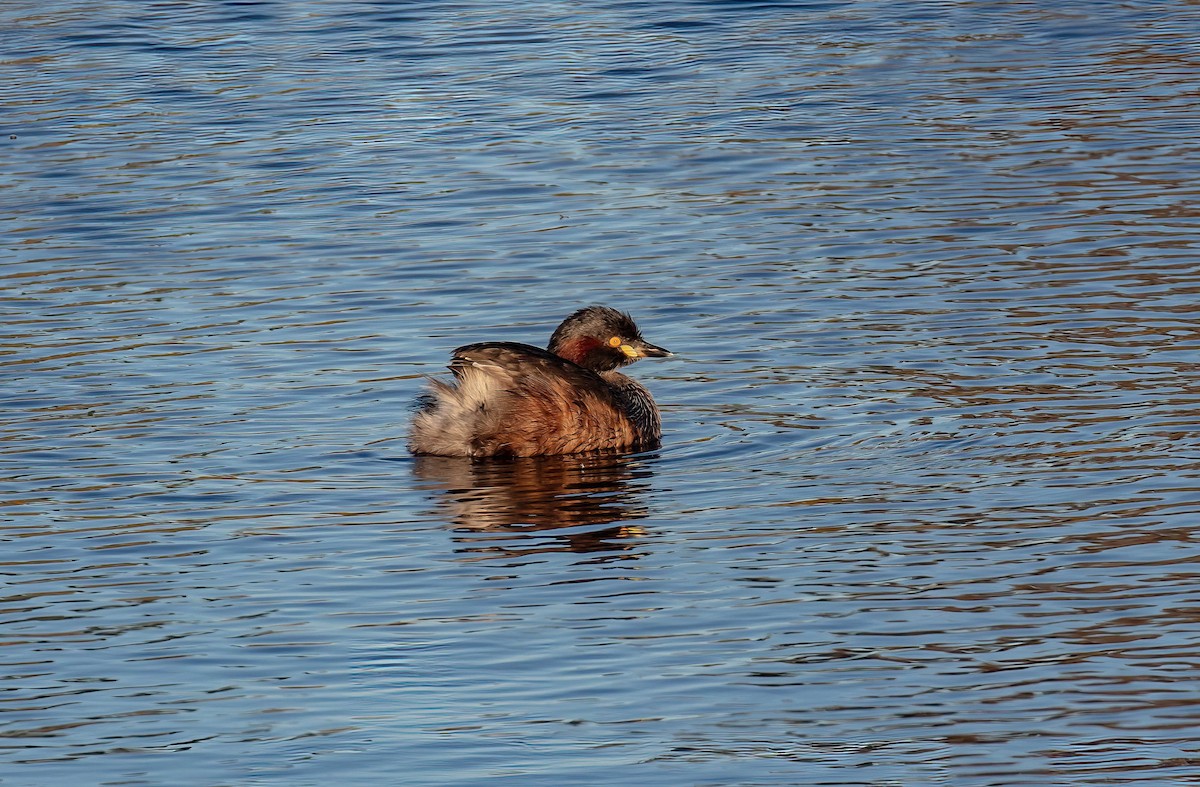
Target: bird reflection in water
531,496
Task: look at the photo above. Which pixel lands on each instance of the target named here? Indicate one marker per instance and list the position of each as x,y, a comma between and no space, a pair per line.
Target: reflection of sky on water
923,509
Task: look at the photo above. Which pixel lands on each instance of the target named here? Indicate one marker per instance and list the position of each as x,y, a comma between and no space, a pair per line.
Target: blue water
924,512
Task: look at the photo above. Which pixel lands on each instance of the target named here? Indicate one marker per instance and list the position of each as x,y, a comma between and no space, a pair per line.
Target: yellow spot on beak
632,352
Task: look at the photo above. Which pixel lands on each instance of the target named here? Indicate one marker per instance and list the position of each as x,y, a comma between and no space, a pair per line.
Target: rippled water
925,508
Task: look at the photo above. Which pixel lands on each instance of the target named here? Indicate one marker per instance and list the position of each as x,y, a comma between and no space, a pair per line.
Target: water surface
924,511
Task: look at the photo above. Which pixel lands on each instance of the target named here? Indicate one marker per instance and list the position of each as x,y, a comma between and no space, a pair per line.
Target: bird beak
647,350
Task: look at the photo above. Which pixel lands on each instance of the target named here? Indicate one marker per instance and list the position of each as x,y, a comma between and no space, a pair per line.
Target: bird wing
517,363
549,404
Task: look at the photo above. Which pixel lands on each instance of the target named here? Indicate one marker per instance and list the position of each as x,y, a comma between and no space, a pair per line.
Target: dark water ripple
924,513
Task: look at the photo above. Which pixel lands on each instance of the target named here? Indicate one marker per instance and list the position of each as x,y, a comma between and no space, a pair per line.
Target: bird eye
614,341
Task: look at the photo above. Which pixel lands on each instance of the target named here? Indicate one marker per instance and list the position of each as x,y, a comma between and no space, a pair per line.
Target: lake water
926,508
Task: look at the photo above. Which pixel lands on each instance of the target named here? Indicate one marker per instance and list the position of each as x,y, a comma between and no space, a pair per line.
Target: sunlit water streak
924,510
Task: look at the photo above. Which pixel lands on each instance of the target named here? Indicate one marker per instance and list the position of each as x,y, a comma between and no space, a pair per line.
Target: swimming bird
510,399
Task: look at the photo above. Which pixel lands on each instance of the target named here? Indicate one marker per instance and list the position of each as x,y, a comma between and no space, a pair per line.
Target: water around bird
924,509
